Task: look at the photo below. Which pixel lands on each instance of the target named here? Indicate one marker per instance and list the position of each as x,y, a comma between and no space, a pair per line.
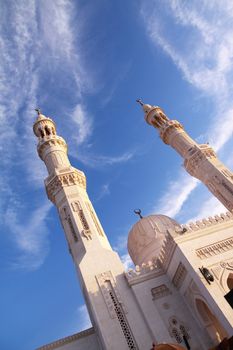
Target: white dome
146,237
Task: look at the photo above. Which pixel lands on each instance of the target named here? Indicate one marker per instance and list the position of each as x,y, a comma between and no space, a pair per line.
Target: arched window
41,132
47,130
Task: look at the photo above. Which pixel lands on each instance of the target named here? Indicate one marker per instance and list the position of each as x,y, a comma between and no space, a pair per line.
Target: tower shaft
200,160
99,268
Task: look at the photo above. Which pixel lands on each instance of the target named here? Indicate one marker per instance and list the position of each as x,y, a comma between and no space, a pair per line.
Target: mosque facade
180,291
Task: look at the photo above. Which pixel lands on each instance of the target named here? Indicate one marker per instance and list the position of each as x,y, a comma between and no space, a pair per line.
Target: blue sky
85,63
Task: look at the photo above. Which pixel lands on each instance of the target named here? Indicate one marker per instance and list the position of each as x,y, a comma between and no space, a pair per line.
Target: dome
146,237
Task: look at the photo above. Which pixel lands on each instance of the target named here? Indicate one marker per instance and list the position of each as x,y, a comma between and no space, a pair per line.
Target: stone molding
198,155
179,276
210,221
143,272
168,129
94,218
160,291
107,283
215,248
48,141
221,271
63,180
67,340
116,307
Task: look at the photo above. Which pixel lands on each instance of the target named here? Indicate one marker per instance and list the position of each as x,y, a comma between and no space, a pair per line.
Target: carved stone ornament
115,306
60,181
160,291
94,218
178,330
215,248
179,276
102,280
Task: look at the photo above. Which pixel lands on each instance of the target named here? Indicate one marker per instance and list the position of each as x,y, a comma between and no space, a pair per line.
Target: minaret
200,160
111,305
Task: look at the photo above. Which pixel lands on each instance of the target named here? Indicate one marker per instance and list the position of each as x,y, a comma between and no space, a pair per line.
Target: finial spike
38,110
138,212
140,101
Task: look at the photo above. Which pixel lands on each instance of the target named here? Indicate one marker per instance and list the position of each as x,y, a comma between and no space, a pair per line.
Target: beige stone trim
160,291
179,276
143,273
67,340
215,248
60,181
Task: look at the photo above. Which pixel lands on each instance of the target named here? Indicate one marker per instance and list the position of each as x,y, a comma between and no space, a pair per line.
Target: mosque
180,294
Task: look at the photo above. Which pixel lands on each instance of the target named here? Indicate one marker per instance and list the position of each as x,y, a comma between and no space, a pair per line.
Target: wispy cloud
26,34
121,248
205,59
95,160
209,207
177,193
31,236
84,123
104,191
127,262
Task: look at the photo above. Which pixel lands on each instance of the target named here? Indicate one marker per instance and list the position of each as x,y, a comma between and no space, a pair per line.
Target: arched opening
212,325
47,130
41,132
230,281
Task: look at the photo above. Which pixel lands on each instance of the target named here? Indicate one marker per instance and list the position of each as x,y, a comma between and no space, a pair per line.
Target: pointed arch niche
230,281
210,322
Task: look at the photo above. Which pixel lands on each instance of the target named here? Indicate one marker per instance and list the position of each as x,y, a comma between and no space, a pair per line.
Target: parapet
210,221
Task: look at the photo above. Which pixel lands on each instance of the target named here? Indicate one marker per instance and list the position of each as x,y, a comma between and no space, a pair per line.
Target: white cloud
177,193
204,56
84,123
30,236
104,191
210,207
127,262
31,46
95,160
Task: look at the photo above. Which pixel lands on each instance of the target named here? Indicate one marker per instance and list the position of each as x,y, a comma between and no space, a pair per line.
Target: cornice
59,181
67,340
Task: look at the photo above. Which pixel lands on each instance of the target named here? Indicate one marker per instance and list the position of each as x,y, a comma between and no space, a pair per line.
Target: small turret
43,126
51,148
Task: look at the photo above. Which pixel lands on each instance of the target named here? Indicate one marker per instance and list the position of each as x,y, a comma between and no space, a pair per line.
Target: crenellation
144,269
207,222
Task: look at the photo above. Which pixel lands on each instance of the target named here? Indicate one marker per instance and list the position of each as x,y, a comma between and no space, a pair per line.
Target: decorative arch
210,322
230,281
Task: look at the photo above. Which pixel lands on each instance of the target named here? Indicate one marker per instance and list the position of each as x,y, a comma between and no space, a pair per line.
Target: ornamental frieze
64,180
219,247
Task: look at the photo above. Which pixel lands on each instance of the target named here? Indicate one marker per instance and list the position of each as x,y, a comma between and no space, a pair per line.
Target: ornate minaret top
51,148
200,160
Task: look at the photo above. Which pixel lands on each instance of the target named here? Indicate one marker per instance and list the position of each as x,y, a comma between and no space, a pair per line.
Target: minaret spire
200,160
38,110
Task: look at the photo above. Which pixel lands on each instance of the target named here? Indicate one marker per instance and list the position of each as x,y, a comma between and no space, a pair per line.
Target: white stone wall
210,246
161,304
